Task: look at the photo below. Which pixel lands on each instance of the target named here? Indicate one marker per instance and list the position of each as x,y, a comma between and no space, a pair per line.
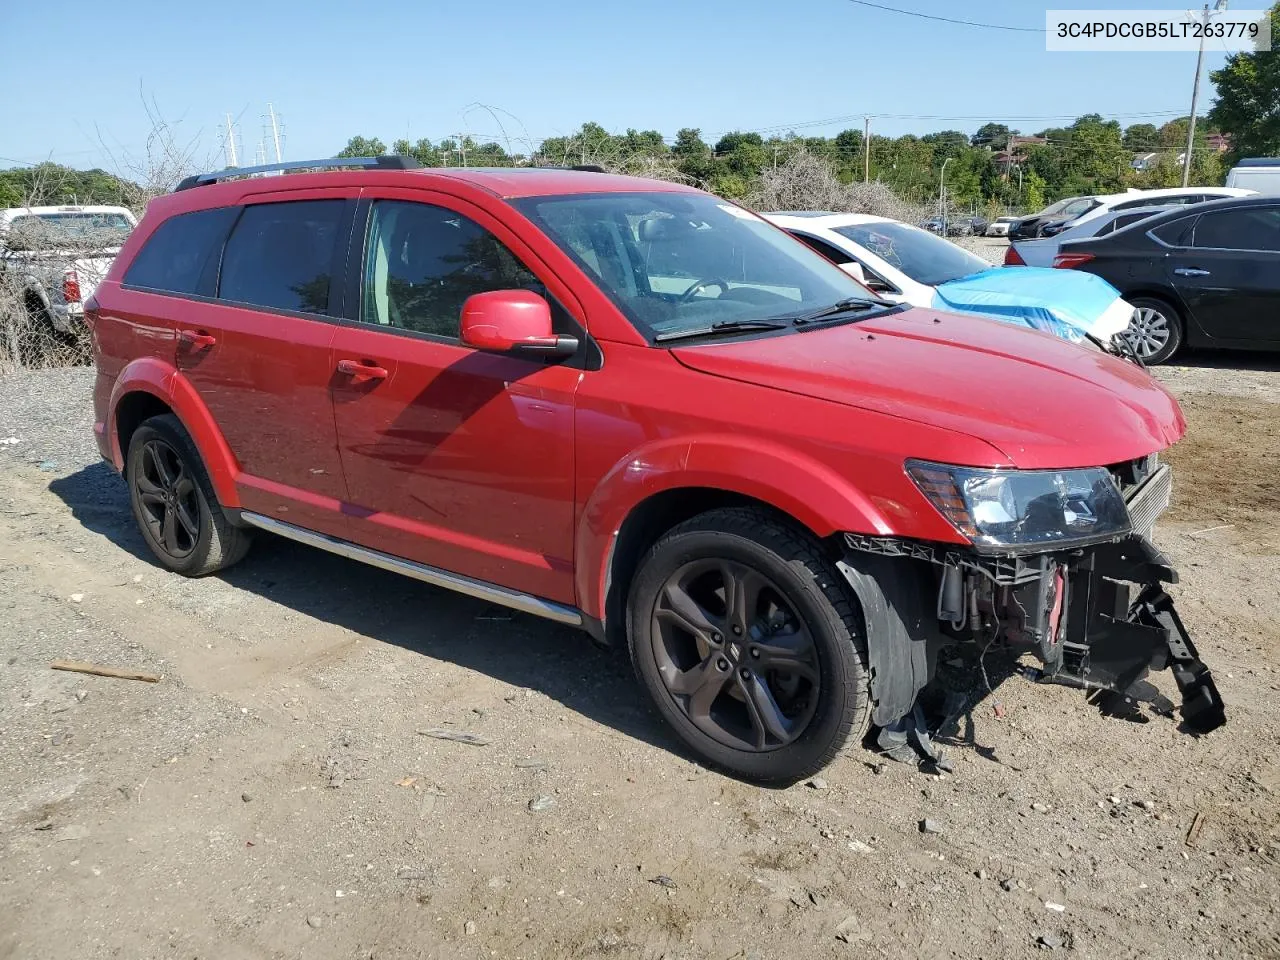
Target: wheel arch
150,387
651,491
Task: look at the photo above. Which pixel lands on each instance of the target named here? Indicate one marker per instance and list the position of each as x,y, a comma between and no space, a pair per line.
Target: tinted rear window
183,249
1175,232
281,255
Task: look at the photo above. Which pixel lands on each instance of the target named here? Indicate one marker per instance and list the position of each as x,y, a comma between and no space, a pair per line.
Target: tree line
988,168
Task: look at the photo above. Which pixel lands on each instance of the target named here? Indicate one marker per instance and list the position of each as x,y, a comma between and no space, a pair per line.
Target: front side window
922,256
422,262
677,262
281,256
834,254
183,250
1252,228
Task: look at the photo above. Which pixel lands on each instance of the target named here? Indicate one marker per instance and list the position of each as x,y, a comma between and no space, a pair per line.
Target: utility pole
1195,92
275,132
232,161
866,146
942,194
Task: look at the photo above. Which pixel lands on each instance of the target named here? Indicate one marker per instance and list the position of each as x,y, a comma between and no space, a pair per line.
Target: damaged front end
1095,613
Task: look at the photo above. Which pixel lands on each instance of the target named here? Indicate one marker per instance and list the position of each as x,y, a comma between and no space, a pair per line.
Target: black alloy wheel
735,657
166,494
750,643
174,503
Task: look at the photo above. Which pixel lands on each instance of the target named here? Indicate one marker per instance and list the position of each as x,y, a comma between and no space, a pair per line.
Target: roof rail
589,168
377,163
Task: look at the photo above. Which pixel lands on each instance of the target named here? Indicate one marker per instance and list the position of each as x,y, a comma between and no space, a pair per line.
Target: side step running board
479,589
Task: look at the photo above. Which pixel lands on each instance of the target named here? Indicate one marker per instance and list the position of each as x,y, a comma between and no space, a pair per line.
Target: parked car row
1056,217
635,408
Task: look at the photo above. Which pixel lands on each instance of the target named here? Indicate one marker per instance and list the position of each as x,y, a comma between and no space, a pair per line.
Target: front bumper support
1098,617
1110,639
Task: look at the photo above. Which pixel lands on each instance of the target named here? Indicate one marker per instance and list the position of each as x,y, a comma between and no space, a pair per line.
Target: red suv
636,408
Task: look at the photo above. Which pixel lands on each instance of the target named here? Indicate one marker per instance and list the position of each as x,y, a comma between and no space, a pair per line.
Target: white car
897,261
904,264
999,227
1132,199
1040,253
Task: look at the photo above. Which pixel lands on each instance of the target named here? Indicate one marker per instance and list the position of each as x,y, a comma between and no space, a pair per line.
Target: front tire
750,645
1155,331
174,504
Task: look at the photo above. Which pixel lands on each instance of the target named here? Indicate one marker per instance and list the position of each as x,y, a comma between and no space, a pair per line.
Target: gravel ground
273,795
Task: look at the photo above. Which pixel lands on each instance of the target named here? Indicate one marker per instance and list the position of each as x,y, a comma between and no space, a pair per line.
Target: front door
454,458
259,355
1229,277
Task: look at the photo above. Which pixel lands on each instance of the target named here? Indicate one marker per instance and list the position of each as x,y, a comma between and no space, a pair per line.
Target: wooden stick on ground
75,666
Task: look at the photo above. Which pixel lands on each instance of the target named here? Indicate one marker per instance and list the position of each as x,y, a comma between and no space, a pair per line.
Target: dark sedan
1062,212
1203,276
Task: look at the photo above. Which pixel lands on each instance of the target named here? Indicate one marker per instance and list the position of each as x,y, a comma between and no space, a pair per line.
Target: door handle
1190,272
197,338
355,368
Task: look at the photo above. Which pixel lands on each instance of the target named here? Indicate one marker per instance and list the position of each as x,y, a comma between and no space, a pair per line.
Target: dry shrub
806,182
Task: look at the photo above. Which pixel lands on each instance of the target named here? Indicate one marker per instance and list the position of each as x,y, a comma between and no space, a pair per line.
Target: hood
1066,303
1041,401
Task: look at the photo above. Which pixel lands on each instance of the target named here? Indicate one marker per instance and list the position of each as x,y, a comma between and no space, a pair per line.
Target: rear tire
769,688
174,504
1155,332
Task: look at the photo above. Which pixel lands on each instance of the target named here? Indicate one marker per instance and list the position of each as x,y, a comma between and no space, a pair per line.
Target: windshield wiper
847,305
723,326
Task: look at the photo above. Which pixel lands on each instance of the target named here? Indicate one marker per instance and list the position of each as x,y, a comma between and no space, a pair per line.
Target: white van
1261,174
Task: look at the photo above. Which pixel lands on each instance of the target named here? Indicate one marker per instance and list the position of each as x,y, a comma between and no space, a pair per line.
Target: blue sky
334,69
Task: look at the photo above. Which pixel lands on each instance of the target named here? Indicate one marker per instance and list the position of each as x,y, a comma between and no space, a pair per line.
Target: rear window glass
281,255
183,249
1175,233
80,230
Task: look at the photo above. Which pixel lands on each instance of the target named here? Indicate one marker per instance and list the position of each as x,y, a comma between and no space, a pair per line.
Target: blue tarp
1066,303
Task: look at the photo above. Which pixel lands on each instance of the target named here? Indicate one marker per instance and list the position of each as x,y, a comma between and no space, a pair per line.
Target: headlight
1024,510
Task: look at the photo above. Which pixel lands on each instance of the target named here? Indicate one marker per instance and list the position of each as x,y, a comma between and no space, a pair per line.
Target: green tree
993,135
947,143
363,147
1033,188
693,156
1141,138
1248,91
742,154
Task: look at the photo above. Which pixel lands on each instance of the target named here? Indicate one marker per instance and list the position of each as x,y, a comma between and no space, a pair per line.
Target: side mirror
512,321
854,269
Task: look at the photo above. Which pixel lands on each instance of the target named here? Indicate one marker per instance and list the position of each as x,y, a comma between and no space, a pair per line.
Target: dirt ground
274,797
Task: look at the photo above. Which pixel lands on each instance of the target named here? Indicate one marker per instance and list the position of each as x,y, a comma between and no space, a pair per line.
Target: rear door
1229,275
454,458
258,353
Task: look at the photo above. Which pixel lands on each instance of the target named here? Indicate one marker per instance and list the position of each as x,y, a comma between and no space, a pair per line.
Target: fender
796,484
163,381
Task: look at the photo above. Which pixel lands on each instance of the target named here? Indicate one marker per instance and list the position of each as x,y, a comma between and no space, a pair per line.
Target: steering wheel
710,282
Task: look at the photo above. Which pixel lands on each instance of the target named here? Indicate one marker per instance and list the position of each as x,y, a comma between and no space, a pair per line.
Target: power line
963,23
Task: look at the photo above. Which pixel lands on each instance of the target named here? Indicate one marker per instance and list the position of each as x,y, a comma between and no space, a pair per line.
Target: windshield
924,257
676,262
35,231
